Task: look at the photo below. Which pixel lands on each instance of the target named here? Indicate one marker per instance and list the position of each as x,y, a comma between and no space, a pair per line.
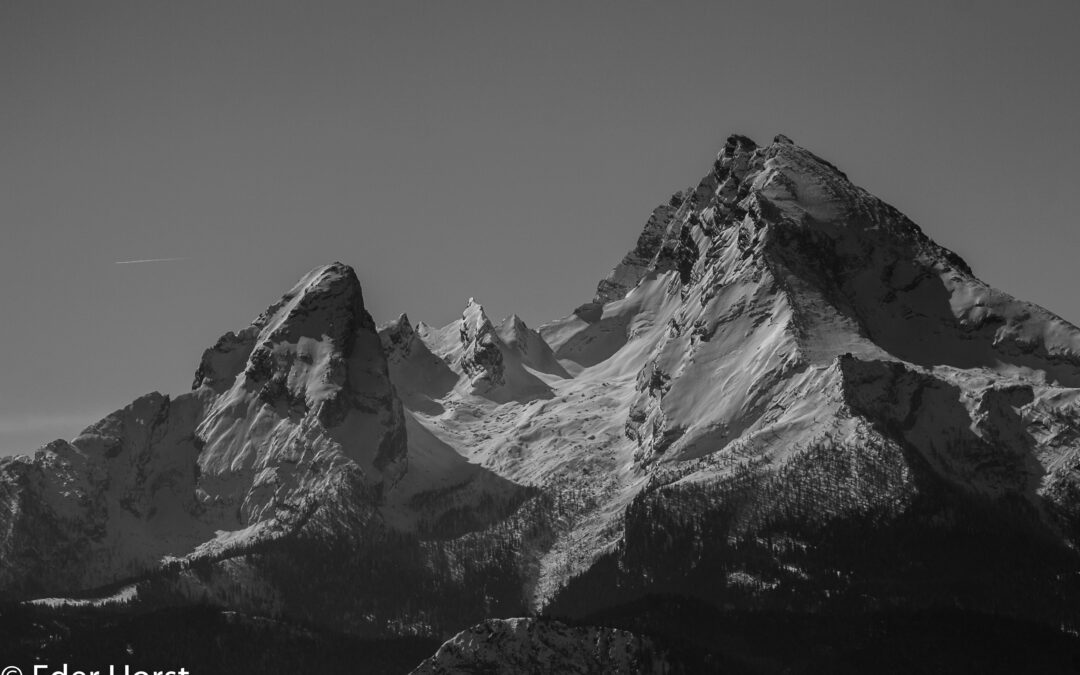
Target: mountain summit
785,396
291,420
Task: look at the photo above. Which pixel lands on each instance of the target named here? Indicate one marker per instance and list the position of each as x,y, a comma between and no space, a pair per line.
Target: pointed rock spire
481,356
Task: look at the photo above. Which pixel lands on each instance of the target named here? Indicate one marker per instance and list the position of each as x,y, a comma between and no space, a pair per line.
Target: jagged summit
398,337
327,303
327,287
777,263
529,347
292,423
481,358
780,210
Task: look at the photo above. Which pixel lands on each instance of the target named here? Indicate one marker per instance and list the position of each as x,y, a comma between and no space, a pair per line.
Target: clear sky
510,151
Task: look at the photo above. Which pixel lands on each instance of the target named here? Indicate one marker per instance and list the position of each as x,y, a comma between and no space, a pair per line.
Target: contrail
132,262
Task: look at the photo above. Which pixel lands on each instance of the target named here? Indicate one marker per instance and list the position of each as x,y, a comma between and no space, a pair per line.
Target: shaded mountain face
292,419
785,396
290,463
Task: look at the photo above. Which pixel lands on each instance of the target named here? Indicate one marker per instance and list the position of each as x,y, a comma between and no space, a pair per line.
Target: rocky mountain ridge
786,396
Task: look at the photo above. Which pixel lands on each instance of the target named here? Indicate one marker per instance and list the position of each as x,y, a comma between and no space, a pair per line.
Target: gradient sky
509,151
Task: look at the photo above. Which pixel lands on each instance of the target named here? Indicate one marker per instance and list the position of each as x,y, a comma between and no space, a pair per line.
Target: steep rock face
312,411
639,261
508,362
778,259
292,422
782,366
814,364
481,358
399,339
974,439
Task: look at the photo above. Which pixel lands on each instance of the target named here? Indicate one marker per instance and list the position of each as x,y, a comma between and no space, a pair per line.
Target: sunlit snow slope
780,354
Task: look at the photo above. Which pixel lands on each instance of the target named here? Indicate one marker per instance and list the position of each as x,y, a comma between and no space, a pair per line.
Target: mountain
291,453
291,420
785,400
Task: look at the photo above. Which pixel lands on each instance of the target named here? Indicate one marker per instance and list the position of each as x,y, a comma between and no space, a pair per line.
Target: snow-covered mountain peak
774,263
292,421
512,322
474,321
481,357
315,343
783,192
514,332
398,337
315,353
323,312
529,347
782,369
326,301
